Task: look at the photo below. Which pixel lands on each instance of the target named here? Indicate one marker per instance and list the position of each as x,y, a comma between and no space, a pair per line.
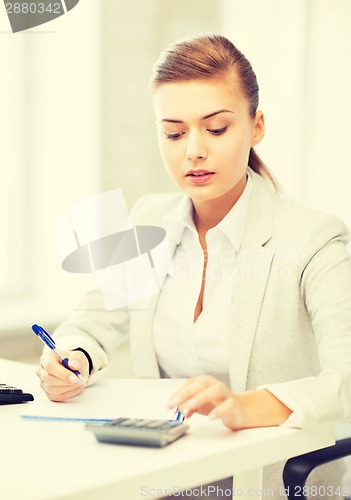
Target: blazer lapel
254,265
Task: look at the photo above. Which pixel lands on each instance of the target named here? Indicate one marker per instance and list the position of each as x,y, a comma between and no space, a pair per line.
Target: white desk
53,460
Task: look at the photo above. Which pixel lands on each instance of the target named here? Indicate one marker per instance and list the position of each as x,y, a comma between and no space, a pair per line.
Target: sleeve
325,287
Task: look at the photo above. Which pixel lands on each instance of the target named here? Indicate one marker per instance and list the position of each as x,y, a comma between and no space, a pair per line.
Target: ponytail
260,168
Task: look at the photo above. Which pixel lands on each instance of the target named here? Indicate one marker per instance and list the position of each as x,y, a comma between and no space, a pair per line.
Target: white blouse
184,348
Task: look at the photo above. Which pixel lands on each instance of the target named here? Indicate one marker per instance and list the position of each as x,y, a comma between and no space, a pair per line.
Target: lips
198,173
199,176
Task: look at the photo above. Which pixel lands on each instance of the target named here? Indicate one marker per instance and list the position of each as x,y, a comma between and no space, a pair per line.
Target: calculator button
129,422
154,424
141,423
10,390
169,425
118,421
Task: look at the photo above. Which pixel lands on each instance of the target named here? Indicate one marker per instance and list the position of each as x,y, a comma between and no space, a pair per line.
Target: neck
208,213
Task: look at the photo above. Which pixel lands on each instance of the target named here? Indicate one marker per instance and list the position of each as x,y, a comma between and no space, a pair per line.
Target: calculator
138,431
12,395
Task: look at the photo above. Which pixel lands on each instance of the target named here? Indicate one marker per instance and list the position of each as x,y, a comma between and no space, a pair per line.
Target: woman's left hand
208,396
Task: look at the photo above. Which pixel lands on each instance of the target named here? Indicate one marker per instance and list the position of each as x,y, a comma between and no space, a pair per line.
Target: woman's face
205,134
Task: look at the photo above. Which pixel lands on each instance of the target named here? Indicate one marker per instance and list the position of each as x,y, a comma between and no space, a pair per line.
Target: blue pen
49,342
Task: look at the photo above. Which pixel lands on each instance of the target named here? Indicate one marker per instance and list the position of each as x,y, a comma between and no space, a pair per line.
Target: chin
202,193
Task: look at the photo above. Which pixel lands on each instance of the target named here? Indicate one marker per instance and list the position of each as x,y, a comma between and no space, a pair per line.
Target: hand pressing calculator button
138,431
11,395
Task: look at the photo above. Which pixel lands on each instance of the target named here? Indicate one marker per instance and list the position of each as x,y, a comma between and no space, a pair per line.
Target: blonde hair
212,56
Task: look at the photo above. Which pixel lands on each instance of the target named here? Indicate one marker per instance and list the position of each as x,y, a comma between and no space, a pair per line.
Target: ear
258,128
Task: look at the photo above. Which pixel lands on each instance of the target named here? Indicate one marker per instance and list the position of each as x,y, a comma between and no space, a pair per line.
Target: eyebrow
170,120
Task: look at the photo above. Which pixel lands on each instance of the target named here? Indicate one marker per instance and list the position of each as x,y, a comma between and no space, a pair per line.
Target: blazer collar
259,221
260,214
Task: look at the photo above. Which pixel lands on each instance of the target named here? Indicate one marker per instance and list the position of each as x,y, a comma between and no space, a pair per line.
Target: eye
175,136
217,131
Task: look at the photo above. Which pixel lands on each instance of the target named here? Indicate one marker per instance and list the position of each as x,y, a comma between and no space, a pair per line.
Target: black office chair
297,469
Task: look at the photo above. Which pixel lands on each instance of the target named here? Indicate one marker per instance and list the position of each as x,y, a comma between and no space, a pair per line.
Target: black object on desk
12,395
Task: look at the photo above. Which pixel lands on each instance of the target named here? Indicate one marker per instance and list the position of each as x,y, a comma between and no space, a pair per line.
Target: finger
47,380
58,396
189,389
53,366
204,391
54,386
230,412
78,361
50,380
44,376
206,399
59,389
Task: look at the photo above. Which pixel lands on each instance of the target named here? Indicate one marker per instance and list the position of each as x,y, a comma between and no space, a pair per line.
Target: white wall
51,158
329,84
300,50
133,35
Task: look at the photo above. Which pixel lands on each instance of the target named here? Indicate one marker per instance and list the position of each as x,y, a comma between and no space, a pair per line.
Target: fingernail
185,412
191,404
173,402
212,415
74,364
74,380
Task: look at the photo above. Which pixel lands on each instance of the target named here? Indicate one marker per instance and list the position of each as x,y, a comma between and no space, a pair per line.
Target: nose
196,149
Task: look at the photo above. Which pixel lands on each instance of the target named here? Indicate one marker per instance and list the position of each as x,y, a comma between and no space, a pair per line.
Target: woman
263,285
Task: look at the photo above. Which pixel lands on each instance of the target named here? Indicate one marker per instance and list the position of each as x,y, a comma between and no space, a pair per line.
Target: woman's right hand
57,382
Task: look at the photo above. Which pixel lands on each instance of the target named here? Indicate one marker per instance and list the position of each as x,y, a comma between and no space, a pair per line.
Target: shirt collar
184,218
232,225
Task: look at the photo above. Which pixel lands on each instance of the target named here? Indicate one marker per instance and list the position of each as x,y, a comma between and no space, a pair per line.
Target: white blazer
290,314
